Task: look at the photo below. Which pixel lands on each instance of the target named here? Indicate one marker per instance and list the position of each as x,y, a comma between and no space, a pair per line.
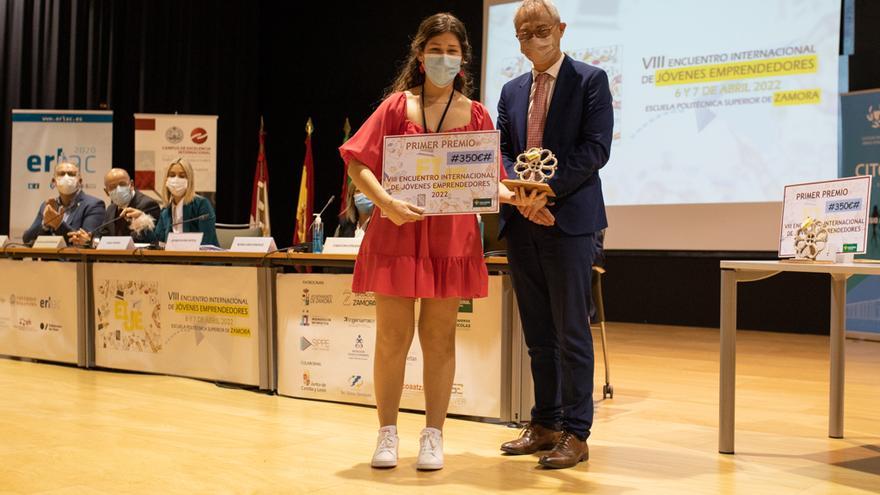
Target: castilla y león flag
260,196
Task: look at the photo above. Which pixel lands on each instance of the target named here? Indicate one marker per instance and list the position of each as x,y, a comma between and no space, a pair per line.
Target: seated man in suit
125,203
71,210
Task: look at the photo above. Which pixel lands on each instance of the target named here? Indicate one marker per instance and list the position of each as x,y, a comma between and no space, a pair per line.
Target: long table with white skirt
201,315
239,318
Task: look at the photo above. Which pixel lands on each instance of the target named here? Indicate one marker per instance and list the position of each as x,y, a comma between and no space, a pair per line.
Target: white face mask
177,186
121,196
538,50
442,69
67,184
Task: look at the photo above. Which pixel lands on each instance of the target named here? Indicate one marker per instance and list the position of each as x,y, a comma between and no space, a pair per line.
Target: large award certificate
446,174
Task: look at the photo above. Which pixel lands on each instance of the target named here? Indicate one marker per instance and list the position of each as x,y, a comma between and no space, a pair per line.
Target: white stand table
750,271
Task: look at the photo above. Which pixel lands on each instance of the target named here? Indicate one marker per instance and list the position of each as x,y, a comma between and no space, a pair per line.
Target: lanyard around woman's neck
442,117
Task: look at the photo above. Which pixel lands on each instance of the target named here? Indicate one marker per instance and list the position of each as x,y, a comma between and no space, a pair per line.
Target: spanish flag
306,200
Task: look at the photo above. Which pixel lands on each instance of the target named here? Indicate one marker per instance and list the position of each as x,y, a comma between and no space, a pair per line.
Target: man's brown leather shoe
568,452
533,438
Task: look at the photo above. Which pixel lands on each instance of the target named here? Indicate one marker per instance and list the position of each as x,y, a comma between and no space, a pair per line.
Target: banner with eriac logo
201,324
38,320
161,139
326,346
860,156
40,138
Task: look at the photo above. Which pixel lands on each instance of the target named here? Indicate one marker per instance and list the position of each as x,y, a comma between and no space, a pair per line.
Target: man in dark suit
126,202
71,210
564,106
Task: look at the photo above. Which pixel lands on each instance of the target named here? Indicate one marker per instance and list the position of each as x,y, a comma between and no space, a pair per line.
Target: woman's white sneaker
385,455
430,450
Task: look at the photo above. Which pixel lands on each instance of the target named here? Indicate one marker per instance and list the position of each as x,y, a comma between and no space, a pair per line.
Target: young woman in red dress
406,256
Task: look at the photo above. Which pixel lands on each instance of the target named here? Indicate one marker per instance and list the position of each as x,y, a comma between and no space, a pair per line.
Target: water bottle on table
317,234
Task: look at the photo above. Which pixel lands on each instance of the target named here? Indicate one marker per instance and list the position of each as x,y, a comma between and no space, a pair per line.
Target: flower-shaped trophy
534,167
810,239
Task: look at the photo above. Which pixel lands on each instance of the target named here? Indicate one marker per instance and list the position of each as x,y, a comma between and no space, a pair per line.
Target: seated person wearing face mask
70,211
354,219
132,210
182,204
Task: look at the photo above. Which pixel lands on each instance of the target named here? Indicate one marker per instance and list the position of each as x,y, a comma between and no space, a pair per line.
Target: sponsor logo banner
38,319
326,337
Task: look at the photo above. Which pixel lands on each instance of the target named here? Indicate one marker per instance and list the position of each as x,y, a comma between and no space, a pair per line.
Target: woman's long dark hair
409,75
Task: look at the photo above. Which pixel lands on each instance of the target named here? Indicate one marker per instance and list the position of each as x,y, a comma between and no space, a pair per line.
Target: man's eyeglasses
540,32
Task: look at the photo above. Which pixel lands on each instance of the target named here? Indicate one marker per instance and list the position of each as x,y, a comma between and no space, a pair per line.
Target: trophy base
529,186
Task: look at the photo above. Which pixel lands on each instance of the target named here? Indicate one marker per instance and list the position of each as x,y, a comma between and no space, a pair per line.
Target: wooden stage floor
71,431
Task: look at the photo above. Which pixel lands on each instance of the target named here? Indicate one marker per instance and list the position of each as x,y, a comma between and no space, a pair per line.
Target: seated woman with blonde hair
183,206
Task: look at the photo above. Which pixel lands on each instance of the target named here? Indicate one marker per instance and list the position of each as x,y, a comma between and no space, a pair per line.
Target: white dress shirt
177,216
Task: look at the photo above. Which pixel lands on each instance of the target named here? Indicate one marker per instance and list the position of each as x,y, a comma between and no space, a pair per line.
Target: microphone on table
332,197
91,233
203,216
99,227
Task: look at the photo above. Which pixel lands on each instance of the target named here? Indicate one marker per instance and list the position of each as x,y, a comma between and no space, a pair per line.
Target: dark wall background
141,56
238,59
864,70
330,61
288,61
682,288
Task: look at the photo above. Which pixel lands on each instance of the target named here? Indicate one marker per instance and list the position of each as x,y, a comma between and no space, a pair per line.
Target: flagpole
343,197
265,222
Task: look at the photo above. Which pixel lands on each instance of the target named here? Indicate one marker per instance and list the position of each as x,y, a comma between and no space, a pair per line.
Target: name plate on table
118,243
184,241
828,216
342,245
4,240
446,174
49,242
253,245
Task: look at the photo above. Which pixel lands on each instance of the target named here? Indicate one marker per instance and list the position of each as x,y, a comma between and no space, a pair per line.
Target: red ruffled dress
440,256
